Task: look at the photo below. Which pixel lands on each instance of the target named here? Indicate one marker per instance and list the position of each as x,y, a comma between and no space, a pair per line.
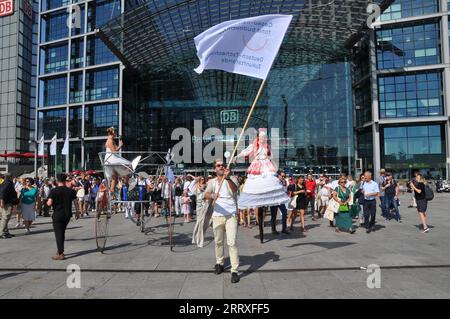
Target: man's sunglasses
220,165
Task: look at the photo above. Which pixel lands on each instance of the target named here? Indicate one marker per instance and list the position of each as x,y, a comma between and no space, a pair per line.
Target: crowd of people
308,196
221,202
355,202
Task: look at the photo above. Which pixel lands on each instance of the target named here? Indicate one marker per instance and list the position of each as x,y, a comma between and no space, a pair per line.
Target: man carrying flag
245,46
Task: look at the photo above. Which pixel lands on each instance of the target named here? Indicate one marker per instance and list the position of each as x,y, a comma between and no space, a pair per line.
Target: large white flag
65,149
245,46
41,146
53,146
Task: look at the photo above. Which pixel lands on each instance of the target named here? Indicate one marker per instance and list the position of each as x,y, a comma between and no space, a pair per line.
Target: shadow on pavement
325,244
43,231
86,252
11,274
89,238
254,262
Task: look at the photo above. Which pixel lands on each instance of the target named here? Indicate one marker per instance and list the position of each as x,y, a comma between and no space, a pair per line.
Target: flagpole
242,133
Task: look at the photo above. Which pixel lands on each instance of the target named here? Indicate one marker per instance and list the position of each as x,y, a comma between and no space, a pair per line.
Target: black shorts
302,204
422,205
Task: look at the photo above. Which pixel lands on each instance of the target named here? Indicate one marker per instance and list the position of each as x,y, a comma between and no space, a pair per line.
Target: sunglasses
342,182
220,165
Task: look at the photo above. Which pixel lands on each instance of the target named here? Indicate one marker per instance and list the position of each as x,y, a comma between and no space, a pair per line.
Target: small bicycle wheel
101,230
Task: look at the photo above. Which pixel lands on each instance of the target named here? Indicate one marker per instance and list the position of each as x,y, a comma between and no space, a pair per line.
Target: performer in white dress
262,188
115,165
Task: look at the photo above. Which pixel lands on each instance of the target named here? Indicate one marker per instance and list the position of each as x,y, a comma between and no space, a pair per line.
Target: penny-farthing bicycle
106,203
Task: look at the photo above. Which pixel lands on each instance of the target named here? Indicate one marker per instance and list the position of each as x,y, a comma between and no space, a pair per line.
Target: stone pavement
322,264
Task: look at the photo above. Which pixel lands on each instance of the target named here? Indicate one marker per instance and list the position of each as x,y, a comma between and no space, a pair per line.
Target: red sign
6,7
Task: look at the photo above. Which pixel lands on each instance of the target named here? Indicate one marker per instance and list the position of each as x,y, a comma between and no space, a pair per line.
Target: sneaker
368,231
234,277
218,269
352,231
285,232
426,230
373,229
5,236
10,235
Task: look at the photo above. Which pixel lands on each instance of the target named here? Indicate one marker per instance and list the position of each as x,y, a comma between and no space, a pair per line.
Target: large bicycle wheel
101,230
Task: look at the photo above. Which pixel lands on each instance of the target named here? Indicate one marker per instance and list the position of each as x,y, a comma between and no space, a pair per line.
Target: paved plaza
322,264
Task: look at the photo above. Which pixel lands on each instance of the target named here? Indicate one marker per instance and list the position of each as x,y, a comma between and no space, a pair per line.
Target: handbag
333,205
80,193
329,214
292,204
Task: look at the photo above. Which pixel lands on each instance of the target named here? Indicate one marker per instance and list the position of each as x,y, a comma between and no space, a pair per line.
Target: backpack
429,194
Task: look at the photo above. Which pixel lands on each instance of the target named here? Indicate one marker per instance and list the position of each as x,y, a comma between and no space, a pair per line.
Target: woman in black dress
418,187
300,192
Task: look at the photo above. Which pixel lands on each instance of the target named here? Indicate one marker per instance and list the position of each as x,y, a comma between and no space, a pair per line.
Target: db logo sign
229,117
6,7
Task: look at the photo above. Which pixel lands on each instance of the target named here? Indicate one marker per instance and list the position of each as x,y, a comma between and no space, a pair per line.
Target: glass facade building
18,63
79,80
409,78
307,97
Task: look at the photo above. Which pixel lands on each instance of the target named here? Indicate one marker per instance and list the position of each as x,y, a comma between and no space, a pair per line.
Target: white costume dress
262,187
116,165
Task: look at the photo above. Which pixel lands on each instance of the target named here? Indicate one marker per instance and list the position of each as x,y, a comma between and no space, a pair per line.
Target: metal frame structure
144,160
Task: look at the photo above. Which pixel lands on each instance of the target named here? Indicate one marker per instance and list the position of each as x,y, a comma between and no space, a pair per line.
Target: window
53,91
408,46
53,121
78,23
101,12
76,88
409,8
97,52
54,26
411,95
53,4
76,53
54,58
418,146
75,121
102,84
99,117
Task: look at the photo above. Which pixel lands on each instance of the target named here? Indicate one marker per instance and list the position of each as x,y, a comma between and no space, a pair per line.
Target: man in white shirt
224,217
371,191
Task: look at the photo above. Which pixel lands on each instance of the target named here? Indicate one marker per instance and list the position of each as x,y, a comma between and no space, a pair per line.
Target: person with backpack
390,188
419,189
